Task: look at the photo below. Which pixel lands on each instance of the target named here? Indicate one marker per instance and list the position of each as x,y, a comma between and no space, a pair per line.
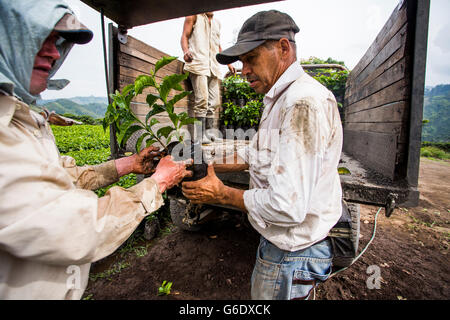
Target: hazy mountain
91,99
436,109
94,107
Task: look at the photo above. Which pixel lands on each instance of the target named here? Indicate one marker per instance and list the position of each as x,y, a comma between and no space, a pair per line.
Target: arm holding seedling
139,163
93,177
167,174
211,190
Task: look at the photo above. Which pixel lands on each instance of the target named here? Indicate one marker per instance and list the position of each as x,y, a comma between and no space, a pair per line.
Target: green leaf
163,61
164,289
151,99
169,138
121,103
164,131
105,124
126,134
149,142
153,121
139,141
184,119
171,82
143,81
127,89
156,110
177,98
343,171
174,118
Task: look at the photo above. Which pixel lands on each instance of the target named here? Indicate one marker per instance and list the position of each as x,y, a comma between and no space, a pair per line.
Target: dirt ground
407,260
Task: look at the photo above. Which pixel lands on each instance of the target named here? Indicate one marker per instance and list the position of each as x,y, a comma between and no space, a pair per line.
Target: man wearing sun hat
295,194
52,226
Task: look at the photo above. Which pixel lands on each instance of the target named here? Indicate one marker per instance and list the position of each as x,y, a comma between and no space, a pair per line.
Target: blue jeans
285,275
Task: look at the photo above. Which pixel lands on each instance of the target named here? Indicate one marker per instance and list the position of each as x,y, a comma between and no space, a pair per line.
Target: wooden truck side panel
378,100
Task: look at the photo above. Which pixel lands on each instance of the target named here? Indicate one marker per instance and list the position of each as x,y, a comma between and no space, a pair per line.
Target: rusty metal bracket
390,204
122,35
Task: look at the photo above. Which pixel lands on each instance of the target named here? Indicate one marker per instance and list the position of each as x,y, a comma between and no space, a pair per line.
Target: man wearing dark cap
295,194
52,226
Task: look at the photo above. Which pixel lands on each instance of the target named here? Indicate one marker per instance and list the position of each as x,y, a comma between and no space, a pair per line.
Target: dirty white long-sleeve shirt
51,229
295,192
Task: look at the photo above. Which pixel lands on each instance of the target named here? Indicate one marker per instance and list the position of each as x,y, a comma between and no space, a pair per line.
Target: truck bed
362,185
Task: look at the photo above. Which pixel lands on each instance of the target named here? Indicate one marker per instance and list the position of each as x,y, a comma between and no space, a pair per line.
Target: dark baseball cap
262,26
71,29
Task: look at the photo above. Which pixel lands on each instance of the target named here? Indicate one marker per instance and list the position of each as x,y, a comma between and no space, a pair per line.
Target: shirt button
37,133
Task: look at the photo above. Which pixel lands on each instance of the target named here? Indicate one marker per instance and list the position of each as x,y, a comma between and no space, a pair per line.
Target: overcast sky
343,30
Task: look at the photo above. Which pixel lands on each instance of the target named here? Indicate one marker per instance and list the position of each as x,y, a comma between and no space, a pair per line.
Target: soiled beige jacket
51,227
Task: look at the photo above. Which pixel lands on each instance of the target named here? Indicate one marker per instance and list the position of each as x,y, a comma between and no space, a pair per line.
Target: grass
132,245
115,269
434,153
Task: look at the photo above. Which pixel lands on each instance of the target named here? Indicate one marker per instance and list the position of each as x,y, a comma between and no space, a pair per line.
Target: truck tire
354,209
346,248
177,213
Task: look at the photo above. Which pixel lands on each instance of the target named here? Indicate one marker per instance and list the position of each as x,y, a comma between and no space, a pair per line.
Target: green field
88,145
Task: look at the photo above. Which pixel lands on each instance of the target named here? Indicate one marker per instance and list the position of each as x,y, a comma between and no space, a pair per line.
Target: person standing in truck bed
200,42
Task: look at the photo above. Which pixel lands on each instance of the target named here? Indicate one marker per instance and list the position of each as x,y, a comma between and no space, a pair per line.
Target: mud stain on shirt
304,123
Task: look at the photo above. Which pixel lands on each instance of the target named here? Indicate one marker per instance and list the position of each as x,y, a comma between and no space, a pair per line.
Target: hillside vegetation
436,110
94,107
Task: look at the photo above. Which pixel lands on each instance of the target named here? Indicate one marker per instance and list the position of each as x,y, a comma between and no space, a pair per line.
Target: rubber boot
211,134
202,134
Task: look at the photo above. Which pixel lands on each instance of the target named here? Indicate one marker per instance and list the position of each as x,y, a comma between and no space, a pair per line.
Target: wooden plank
397,91
392,112
132,74
392,75
142,109
396,128
376,150
144,67
354,87
384,54
173,67
394,23
148,51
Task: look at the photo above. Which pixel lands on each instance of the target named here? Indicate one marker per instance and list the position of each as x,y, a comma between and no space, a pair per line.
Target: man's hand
143,161
170,173
188,56
139,163
210,189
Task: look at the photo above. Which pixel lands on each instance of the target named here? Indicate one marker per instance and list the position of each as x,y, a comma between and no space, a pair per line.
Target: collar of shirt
13,107
291,74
